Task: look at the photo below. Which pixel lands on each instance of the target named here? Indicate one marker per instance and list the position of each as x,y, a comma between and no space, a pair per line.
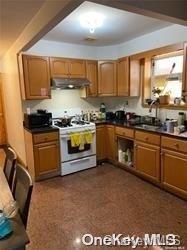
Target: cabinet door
36,77
135,77
100,142
123,77
184,88
92,76
46,158
147,160
174,171
107,78
110,143
59,67
77,68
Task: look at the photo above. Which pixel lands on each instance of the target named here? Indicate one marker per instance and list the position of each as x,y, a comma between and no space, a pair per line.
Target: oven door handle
69,133
79,160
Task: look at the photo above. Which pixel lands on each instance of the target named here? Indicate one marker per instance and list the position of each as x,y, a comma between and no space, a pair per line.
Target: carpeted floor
100,201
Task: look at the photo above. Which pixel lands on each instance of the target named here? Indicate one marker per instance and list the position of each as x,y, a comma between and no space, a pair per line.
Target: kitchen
115,111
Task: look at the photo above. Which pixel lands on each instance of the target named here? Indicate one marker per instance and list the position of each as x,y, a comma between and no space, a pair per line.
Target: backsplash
68,99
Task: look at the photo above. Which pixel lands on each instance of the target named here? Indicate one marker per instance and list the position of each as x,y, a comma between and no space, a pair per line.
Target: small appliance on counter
129,115
110,116
120,115
135,119
40,119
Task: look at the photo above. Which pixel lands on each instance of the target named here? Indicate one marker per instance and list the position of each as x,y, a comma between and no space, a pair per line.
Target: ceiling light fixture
91,20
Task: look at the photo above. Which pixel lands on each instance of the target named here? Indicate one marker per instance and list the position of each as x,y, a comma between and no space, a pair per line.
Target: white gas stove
74,159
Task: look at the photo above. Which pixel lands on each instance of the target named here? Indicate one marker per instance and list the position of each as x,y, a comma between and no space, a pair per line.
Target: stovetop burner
80,122
62,125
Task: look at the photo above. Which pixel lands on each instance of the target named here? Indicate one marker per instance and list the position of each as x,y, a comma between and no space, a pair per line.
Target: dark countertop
42,130
160,130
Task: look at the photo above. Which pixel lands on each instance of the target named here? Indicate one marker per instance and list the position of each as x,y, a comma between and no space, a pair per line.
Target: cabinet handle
176,145
162,153
135,145
146,138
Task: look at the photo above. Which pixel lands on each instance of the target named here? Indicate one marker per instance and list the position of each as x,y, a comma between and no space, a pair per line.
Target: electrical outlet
126,103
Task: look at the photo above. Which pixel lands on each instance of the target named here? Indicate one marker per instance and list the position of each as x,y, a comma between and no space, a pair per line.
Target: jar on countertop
181,118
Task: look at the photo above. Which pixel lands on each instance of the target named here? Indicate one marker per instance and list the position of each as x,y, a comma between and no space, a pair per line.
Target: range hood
69,83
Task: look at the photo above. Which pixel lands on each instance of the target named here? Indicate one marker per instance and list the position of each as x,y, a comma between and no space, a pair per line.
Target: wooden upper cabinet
63,67
59,67
77,68
134,77
36,77
123,77
146,79
107,84
184,88
92,76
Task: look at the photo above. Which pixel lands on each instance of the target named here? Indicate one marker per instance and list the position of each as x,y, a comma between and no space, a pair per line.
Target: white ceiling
119,26
14,16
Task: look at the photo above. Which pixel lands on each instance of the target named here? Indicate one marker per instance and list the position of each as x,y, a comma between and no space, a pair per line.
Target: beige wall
11,88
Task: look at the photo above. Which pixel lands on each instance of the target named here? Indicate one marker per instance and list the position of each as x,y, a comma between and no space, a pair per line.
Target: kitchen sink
148,127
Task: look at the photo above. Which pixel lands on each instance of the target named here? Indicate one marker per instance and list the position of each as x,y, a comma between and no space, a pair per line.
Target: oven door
69,153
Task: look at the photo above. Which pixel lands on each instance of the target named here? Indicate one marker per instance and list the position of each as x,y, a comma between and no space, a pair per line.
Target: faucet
156,103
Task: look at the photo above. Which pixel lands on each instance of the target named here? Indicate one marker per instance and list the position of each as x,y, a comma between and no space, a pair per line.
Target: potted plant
164,99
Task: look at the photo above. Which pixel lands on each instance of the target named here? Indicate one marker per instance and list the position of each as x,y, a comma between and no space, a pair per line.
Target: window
166,75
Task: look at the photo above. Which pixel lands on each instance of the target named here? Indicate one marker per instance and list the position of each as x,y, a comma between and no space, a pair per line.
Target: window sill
168,106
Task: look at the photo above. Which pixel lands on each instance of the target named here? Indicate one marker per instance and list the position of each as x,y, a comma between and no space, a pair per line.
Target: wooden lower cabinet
174,172
46,157
110,143
100,142
43,154
147,160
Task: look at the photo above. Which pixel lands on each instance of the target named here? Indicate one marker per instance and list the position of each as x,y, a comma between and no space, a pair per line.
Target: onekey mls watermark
168,241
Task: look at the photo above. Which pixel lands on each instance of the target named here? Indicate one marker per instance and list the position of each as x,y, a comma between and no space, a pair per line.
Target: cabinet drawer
45,137
126,132
147,137
173,143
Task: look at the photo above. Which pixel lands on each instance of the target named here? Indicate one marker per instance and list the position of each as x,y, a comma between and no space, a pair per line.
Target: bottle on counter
100,117
88,116
103,110
181,118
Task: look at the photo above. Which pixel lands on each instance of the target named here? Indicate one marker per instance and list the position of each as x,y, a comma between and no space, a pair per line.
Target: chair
9,165
22,190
